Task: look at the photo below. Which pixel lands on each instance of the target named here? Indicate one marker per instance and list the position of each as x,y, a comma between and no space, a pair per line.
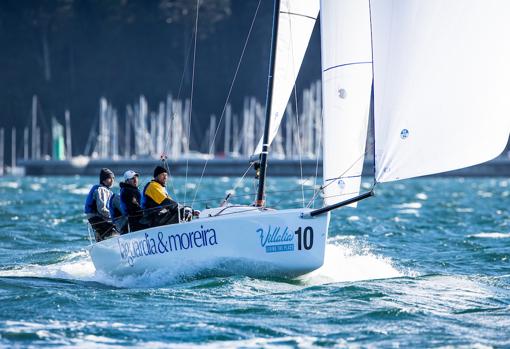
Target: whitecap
410,205
191,185
484,194
12,185
366,185
491,235
410,212
75,266
464,210
421,196
35,186
80,191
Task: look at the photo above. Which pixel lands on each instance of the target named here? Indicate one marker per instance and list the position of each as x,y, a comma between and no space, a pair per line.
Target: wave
345,260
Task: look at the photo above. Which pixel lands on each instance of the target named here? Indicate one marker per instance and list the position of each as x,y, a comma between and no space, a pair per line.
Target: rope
191,100
227,99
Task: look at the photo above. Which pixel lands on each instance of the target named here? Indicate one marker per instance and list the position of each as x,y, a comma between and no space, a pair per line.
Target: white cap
129,174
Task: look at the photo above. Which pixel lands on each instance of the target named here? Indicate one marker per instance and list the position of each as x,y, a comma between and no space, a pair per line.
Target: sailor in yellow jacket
159,207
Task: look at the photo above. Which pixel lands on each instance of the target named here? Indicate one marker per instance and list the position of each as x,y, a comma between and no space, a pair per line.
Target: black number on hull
305,239
308,238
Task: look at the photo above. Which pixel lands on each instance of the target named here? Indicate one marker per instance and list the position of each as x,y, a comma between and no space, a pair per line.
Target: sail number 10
305,238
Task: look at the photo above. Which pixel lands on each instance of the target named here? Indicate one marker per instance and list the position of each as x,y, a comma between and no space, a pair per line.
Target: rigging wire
163,156
191,100
228,98
297,114
317,157
332,180
299,146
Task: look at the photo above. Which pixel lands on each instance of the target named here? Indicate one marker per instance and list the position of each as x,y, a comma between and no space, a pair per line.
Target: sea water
425,263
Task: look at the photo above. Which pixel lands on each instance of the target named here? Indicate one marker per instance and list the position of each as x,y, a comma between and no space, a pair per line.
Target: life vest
90,202
113,207
144,197
123,207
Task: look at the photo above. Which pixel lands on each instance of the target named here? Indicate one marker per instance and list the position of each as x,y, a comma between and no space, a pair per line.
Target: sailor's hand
196,213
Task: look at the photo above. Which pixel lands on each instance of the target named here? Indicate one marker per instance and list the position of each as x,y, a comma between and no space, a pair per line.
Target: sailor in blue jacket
96,206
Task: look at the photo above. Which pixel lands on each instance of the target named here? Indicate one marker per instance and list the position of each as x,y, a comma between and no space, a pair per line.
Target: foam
75,266
346,260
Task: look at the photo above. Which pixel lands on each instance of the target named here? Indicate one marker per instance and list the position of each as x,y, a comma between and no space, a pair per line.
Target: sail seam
344,65
298,14
341,177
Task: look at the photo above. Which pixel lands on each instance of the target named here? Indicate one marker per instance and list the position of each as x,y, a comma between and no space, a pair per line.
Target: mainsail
295,24
346,84
441,75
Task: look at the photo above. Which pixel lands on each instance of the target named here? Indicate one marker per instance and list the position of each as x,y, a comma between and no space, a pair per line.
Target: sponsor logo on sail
276,239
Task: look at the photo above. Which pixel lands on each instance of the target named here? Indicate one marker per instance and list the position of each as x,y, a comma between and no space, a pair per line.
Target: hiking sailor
159,207
96,206
130,198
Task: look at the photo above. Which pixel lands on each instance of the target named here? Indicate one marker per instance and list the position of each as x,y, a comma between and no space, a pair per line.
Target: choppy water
426,263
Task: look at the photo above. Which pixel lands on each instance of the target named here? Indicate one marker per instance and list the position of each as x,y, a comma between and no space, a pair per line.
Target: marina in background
136,137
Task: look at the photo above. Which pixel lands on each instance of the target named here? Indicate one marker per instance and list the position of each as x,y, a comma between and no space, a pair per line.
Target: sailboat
433,75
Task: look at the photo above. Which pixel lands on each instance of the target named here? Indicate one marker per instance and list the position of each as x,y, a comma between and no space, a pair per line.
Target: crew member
130,198
96,206
118,218
159,207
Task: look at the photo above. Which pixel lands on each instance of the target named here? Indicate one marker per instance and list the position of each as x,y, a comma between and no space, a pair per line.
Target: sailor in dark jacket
96,206
118,218
130,198
159,207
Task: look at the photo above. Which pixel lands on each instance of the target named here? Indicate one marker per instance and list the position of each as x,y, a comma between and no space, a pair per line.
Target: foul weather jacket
97,202
155,195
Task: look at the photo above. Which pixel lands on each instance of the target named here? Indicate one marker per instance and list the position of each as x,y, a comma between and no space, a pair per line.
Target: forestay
346,85
441,74
295,25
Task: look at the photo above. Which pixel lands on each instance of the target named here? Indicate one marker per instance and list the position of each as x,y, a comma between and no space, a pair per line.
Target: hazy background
71,52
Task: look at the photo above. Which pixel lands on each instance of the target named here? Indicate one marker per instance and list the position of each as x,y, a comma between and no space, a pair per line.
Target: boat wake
348,260
345,260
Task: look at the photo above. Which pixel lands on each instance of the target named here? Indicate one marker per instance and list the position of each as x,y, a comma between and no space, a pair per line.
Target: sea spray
345,261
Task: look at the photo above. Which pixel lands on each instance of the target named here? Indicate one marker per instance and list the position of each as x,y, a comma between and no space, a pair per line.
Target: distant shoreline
499,167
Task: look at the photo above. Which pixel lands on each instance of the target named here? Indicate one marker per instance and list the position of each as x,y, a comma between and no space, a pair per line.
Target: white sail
295,24
346,84
441,77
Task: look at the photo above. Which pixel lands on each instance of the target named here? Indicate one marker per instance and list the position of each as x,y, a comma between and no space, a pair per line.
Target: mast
269,97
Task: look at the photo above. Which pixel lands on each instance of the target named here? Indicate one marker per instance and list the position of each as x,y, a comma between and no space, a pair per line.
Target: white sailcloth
295,25
441,77
346,84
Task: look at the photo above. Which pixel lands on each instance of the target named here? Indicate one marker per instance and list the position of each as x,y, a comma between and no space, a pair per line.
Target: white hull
248,242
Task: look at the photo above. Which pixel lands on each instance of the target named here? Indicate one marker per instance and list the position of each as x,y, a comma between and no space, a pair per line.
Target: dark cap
159,170
104,174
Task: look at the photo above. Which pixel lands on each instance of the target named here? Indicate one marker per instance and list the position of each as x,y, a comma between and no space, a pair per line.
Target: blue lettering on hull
276,239
280,248
131,249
